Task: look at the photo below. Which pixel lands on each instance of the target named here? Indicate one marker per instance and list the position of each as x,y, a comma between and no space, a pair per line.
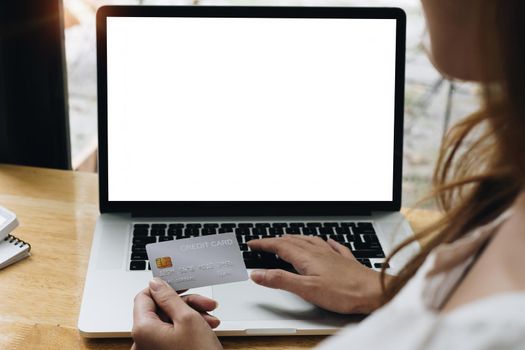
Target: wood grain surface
40,296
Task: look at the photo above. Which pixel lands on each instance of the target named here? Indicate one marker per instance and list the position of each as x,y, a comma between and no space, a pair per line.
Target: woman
466,288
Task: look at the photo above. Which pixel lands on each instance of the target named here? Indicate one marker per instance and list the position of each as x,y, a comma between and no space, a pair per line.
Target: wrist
371,295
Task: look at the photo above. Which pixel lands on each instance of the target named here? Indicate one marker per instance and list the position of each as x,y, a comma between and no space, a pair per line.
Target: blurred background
432,102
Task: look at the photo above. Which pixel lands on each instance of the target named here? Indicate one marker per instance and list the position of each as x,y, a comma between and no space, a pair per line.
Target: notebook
12,249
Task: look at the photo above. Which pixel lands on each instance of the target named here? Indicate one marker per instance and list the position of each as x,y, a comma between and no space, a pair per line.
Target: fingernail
156,284
258,275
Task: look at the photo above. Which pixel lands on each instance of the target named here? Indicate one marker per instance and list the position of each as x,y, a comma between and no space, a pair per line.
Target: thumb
280,279
166,298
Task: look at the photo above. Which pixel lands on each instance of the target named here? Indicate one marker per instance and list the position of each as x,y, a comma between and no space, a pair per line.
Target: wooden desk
40,296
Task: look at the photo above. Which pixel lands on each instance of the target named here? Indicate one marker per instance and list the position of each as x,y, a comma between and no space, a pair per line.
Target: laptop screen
250,109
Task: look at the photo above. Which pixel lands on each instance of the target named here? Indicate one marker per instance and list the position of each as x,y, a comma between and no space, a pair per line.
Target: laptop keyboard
359,237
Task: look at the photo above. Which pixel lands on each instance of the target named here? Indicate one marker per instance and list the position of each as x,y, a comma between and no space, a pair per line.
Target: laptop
261,121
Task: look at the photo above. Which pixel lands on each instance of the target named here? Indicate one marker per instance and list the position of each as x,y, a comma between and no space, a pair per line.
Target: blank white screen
244,109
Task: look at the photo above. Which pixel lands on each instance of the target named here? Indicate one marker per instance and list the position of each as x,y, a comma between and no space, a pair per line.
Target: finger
144,308
280,279
258,244
200,302
212,321
167,299
317,241
298,241
341,249
284,248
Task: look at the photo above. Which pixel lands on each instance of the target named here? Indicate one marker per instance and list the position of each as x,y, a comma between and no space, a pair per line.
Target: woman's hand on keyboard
329,275
164,320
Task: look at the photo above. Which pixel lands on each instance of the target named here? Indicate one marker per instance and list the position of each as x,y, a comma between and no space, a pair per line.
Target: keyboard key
175,231
211,226
380,265
249,238
310,231
191,232
250,255
260,230
208,231
144,240
139,248
313,224
137,265
297,224
265,224
139,256
242,231
228,225
254,264
342,231
275,231
162,226
340,239
146,226
176,226
370,238
243,247
349,238
193,226
326,231
226,229
268,257
331,224
365,225
140,232
157,232
280,225
361,254
259,263
369,245
165,238
363,228
293,230
245,225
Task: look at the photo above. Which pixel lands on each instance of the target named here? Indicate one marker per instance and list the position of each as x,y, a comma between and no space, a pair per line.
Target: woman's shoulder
499,269
496,322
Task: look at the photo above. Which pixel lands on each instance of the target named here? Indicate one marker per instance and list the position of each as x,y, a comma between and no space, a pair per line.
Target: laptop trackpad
247,301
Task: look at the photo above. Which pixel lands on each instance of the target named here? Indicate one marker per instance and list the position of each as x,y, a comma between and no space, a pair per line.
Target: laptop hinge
156,214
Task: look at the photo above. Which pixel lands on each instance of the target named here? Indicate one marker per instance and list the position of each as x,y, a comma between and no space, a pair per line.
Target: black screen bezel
249,208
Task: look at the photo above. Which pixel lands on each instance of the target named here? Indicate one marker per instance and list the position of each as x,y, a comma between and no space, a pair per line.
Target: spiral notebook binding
17,241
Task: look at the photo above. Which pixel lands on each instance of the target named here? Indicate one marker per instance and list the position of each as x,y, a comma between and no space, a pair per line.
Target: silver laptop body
286,119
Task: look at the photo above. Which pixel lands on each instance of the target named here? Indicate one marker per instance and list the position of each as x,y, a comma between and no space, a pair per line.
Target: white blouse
412,319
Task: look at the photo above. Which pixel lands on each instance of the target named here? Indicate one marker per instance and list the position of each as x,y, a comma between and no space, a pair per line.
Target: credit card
198,261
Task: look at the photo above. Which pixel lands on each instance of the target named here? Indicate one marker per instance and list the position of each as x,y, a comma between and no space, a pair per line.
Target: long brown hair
481,166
